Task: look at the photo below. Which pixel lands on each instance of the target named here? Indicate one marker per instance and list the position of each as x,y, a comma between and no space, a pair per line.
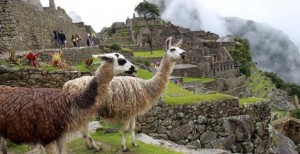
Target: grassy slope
176,95
112,144
259,84
147,54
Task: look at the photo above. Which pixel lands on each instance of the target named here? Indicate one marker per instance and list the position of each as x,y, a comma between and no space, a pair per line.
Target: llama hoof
99,149
134,145
126,150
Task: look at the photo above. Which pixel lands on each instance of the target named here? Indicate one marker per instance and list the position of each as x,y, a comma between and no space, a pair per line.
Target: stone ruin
26,25
207,56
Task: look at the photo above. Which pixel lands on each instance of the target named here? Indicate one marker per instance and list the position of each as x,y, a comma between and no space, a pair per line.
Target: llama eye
172,49
122,61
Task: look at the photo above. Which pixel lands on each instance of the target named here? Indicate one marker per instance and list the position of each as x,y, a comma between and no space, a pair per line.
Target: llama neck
160,80
87,101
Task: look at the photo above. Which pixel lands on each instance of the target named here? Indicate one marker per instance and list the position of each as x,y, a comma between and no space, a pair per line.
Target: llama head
121,64
174,51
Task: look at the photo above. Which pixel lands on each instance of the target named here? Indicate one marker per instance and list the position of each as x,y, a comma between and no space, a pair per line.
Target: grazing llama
130,96
45,115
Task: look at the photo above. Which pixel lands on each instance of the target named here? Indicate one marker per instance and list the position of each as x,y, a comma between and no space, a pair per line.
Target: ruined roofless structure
26,25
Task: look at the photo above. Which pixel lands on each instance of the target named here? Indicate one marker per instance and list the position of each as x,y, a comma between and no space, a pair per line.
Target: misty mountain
272,49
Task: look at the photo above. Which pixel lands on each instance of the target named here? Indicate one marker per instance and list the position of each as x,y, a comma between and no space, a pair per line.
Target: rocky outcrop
280,143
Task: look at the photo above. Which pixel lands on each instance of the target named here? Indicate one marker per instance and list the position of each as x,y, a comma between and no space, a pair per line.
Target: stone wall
72,56
8,26
220,125
221,84
26,27
36,78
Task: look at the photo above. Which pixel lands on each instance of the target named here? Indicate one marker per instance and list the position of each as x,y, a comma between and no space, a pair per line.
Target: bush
241,55
115,47
291,88
296,113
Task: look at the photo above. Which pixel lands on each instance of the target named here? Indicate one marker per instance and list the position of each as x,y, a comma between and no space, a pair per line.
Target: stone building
25,25
207,56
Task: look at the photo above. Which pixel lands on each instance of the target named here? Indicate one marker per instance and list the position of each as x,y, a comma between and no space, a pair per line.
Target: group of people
59,39
89,39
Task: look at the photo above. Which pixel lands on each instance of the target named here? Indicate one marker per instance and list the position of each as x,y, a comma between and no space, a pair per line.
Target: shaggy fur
130,97
44,115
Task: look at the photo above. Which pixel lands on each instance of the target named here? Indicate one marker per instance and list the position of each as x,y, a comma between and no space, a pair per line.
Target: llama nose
182,55
132,69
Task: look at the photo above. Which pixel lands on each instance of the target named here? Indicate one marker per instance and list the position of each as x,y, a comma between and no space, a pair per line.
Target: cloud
75,17
272,48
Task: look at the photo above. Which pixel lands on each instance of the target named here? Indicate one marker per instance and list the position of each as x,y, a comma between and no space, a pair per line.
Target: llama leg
61,144
125,127
3,145
131,128
50,148
88,139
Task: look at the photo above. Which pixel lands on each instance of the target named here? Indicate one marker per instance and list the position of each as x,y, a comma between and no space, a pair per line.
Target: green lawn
176,95
112,144
147,54
203,80
251,100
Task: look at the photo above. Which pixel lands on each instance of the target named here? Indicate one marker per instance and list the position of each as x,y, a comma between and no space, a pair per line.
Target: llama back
129,97
77,85
33,111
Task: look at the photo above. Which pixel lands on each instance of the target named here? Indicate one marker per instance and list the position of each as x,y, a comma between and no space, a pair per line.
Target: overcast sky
281,14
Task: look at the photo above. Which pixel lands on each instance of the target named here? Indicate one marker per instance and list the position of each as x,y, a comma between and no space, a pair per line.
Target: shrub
115,47
296,113
58,61
33,59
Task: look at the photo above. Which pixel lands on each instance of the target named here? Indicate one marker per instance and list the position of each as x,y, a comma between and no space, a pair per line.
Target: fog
273,36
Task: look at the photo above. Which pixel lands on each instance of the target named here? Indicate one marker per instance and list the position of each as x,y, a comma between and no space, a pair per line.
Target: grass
203,80
147,54
18,148
126,49
259,85
176,95
112,144
250,100
282,114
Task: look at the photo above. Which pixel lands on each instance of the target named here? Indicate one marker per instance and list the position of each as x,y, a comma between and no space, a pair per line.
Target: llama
130,96
44,115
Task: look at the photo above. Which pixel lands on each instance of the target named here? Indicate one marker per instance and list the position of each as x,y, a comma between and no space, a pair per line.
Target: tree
241,55
149,11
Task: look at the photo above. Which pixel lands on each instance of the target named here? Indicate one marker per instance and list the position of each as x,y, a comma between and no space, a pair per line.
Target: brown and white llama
45,115
130,96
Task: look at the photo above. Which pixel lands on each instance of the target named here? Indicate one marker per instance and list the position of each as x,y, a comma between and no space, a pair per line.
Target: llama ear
168,43
179,43
106,58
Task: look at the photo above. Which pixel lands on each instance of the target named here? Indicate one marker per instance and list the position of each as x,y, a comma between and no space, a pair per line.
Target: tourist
88,40
73,39
63,39
56,38
93,37
78,39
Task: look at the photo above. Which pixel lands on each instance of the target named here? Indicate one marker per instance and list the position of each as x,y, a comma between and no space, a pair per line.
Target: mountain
273,51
